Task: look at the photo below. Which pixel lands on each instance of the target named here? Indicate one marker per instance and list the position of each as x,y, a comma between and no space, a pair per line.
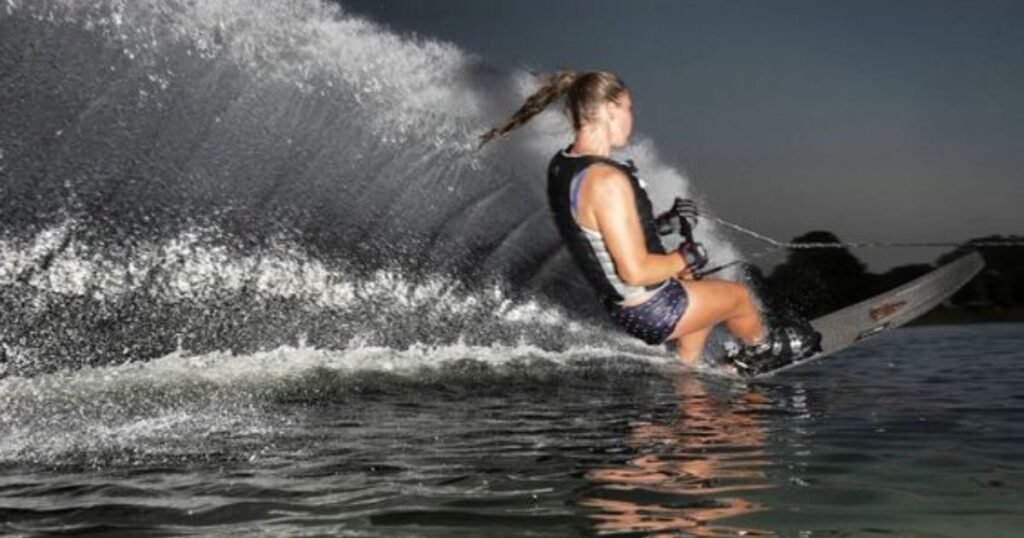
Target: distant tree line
813,282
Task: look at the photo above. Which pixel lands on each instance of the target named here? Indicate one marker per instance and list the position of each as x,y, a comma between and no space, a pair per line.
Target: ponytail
584,93
556,86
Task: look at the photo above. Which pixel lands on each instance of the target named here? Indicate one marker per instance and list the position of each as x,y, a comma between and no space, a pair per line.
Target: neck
591,141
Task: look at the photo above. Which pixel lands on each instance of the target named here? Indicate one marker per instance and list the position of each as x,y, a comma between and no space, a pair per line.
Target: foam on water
179,404
229,227
253,290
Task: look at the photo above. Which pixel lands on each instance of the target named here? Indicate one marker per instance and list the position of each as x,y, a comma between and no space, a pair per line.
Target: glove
695,255
681,218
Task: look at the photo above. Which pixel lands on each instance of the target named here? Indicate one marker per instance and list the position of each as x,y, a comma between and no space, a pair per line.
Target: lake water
412,350
919,432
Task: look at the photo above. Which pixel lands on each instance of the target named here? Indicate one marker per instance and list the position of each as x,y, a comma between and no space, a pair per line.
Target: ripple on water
621,450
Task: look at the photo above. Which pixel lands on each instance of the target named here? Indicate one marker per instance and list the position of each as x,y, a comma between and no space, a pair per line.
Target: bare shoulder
606,180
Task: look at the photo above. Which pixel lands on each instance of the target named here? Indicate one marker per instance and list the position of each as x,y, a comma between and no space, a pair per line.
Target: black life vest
561,171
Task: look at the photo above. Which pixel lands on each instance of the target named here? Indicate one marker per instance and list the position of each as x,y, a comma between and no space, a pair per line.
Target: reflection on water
917,434
689,473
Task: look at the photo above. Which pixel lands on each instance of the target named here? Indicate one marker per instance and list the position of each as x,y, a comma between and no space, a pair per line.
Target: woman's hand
695,256
681,218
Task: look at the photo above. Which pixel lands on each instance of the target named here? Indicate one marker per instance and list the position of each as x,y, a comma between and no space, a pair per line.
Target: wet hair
583,92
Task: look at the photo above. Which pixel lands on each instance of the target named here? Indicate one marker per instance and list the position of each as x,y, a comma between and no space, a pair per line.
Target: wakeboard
855,323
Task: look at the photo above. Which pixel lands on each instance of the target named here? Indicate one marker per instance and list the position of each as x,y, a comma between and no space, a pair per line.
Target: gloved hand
695,254
681,218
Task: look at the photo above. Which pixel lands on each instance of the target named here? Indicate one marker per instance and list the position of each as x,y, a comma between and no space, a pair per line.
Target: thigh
710,302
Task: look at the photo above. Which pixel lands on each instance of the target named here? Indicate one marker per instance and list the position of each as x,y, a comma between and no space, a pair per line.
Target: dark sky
896,120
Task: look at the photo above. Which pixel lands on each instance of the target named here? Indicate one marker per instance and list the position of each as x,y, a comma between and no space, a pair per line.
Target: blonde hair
583,93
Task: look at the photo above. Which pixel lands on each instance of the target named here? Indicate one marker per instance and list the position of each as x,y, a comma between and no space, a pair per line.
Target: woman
603,213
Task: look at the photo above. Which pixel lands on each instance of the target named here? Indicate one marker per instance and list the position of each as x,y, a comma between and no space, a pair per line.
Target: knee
748,295
741,294
746,301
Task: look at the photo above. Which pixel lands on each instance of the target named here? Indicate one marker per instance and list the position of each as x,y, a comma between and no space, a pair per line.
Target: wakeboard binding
793,338
780,347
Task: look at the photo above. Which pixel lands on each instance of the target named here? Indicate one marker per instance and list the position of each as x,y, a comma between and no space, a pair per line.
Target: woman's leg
689,346
712,302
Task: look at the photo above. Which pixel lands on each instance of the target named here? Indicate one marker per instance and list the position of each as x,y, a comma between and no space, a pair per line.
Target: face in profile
620,116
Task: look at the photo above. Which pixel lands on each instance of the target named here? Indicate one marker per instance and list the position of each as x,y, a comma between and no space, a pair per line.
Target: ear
616,107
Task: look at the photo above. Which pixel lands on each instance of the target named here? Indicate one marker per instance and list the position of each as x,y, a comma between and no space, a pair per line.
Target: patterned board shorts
653,320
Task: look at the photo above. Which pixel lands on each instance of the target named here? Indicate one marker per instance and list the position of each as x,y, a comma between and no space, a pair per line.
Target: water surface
915,433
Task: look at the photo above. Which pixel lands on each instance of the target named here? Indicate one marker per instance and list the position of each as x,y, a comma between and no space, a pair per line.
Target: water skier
604,215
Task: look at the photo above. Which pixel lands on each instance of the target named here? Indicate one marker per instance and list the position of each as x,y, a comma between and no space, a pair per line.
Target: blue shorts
655,319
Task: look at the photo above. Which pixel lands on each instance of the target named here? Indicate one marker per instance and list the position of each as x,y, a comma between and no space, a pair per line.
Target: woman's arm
607,204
